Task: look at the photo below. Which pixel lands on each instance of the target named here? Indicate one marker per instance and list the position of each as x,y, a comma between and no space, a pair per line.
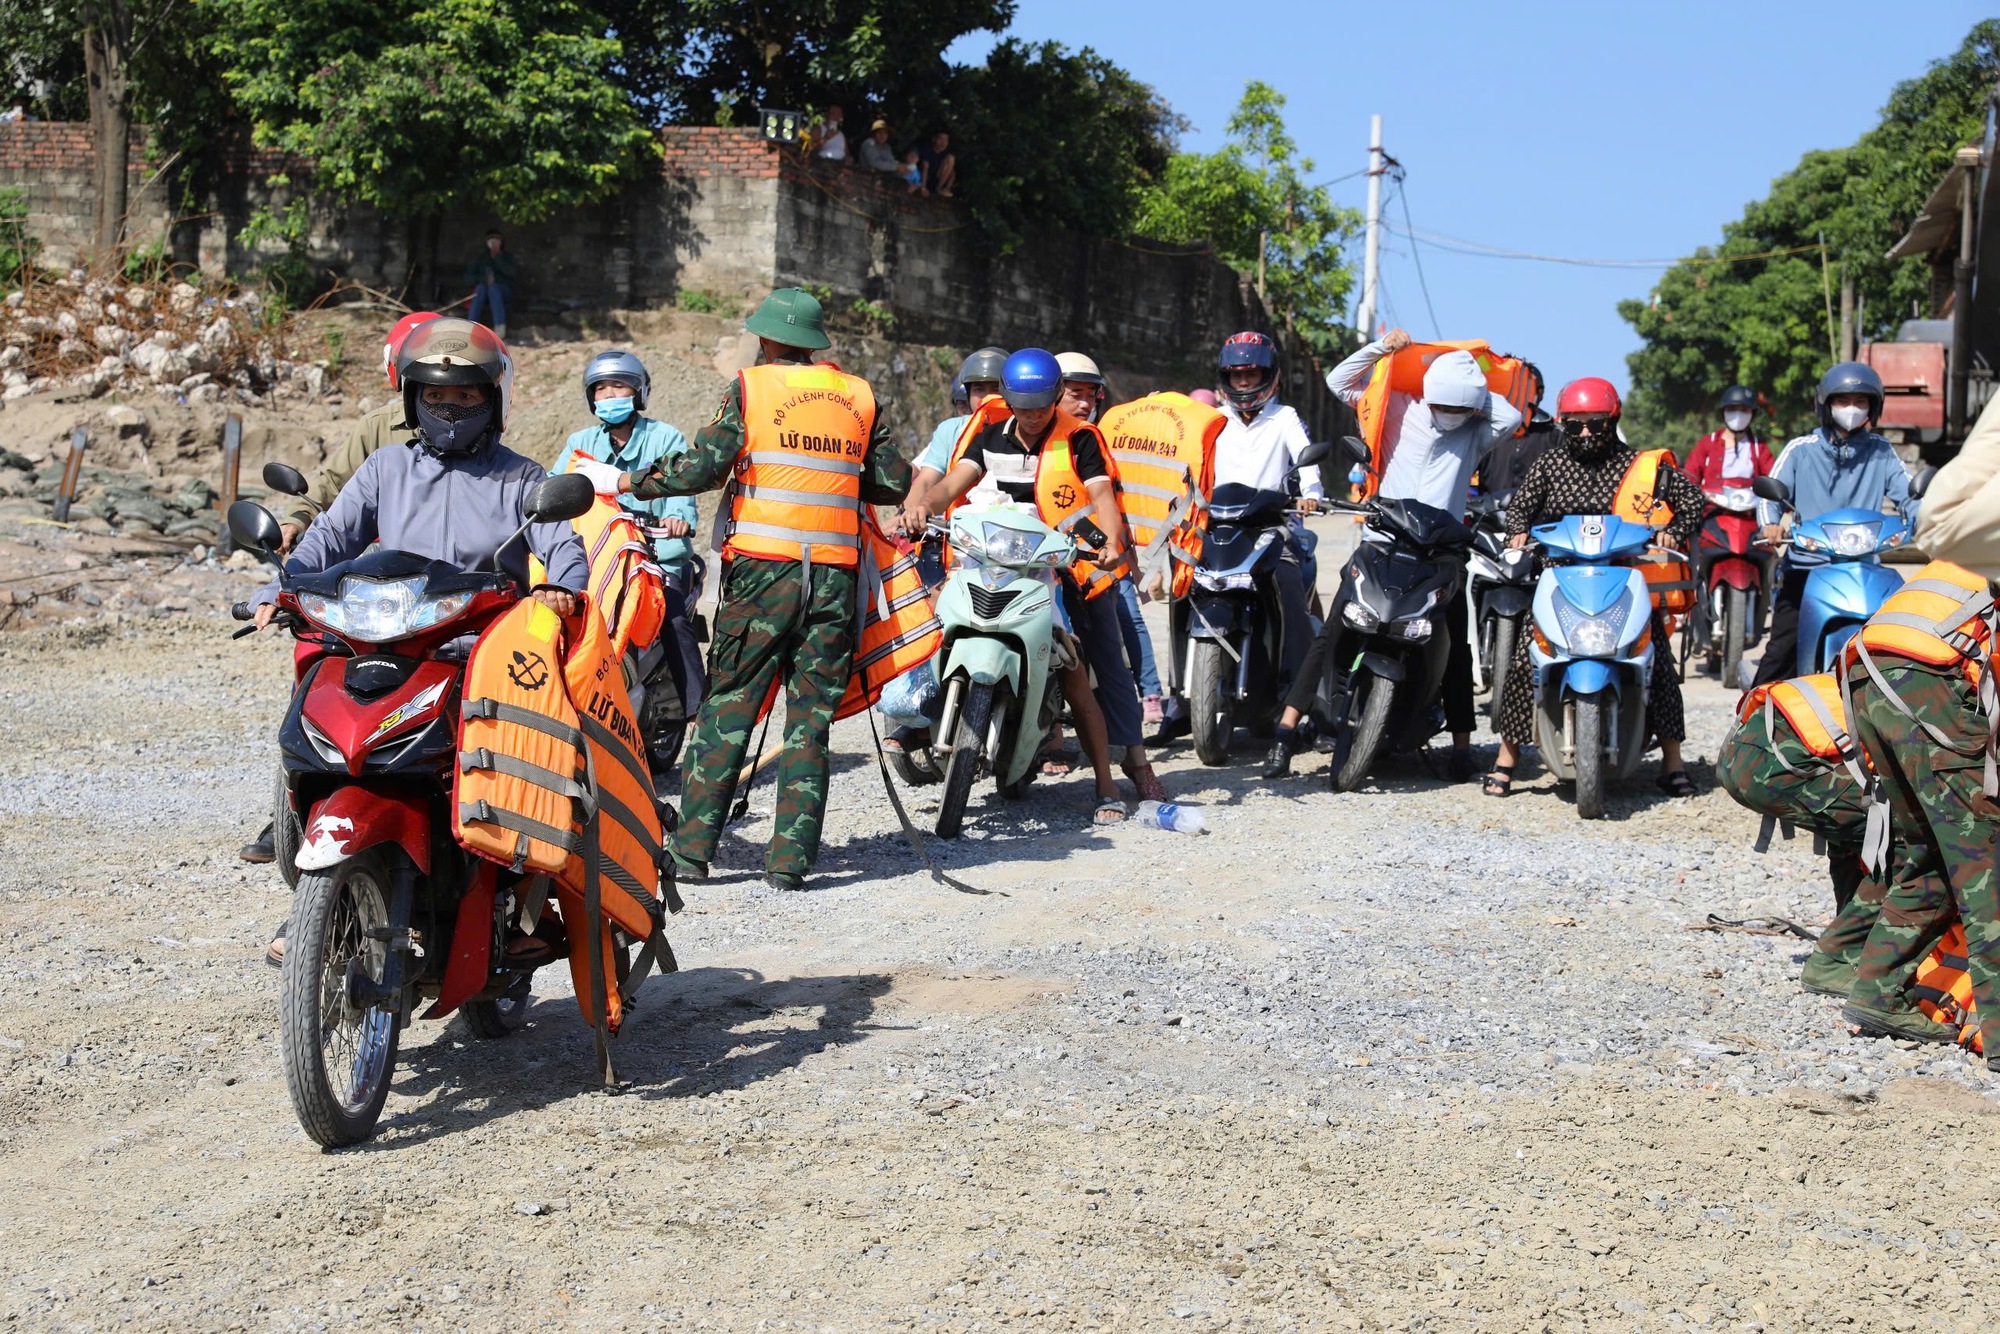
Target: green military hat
793,317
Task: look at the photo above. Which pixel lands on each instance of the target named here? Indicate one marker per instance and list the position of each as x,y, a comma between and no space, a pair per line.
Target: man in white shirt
1260,448
829,135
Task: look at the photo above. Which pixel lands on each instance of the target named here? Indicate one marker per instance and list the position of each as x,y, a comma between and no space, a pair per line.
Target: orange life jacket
1943,988
625,581
1403,373
1164,446
796,491
1061,498
1812,708
1943,617
550,764
899,628
1635,502
1670,581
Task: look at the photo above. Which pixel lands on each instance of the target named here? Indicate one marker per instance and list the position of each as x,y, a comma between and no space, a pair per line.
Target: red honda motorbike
1733,572
387,907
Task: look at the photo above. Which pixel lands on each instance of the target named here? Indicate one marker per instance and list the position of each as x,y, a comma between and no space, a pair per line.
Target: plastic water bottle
1171,815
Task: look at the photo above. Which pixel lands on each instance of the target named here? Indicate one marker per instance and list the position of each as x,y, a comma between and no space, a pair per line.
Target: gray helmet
617,367
983,366
1736,396
1849,377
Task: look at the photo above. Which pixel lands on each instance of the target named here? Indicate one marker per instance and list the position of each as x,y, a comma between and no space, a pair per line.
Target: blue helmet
1031,379
1248,350
618,367
1849,377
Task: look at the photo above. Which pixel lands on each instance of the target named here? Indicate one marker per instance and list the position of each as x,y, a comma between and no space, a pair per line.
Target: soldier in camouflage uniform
1776,776
1946,828
769,627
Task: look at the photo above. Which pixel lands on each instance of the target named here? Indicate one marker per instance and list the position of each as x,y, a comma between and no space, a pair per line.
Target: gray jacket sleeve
1503,419
559,549
1349,380
341,533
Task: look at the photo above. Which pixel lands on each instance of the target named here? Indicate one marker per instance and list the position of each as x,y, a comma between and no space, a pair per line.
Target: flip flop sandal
1675,784
1500,782
1055,764
1110,810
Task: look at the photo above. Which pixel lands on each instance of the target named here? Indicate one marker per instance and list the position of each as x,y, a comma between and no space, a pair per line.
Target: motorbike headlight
1359,616
1595,637
1008,546
1417,628
1852,539
378,611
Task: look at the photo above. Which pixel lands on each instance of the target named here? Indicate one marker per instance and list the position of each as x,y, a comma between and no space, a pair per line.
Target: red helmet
393,349
1588,397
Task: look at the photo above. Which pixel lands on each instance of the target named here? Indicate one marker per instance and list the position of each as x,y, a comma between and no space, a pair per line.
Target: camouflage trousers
1819,798
1946,830
770,632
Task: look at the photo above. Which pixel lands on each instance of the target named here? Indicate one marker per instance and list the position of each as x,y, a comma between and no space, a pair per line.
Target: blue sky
1607,130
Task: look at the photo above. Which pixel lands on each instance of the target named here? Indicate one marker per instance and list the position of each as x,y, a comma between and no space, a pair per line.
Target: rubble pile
170,337
109,502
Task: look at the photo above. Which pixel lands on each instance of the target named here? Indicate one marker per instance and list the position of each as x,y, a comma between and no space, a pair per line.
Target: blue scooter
1591,651
1847,584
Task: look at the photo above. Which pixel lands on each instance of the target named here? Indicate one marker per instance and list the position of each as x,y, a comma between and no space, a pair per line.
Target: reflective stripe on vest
1636,501
796,492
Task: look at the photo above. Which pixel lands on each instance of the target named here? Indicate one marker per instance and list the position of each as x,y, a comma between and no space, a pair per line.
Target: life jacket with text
1403,373
626,583
1061,499
550,768
1636,501
1164,447
795,493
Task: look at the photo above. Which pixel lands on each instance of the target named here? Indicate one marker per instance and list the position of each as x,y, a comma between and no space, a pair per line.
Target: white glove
602,475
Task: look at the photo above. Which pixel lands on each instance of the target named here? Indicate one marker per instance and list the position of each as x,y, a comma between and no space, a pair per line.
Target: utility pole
1371,264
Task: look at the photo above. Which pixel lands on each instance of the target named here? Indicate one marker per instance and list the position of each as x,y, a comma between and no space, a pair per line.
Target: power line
1403,197
1478,250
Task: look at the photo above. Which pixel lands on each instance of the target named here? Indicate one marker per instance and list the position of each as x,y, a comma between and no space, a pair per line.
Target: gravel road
1402,1059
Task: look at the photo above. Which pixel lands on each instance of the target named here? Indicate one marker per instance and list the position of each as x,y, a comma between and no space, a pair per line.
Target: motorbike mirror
1312,455
284,478
252,526
1922,482
559,499
1357,449
1770,488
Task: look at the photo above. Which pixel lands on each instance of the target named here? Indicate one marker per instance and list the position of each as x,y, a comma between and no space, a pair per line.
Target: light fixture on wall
781,127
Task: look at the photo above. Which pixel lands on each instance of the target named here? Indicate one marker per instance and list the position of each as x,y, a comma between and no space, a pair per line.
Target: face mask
1849,418
1450,419
454,428
1582,446
612,411
1736,419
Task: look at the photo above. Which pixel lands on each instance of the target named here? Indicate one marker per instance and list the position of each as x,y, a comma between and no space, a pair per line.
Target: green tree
506,104
1054,138
1250,201
1721,318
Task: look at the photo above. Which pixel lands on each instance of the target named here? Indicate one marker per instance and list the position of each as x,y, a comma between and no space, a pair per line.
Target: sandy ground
1401,1059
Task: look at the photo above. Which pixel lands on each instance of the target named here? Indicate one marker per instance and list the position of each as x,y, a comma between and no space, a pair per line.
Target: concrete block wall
50,161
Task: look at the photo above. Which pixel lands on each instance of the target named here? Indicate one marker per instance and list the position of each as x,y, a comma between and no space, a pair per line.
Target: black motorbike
1387,640
1235,626
1499,589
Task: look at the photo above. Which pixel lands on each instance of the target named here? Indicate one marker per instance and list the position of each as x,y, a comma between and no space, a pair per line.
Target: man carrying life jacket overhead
799,449
1041,455
1842,465
616,387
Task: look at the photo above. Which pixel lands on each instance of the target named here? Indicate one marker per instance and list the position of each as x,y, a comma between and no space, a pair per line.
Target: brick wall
729,215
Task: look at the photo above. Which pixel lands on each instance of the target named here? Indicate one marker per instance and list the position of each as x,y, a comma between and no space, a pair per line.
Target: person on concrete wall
800,448
616,389
492,274
1842,465
828,136
1434,444
876,153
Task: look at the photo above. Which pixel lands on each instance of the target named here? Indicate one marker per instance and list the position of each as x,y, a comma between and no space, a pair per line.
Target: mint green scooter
1001,643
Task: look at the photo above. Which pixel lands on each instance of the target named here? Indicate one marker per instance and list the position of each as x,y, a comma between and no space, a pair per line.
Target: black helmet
1736,396
983,366
1849,377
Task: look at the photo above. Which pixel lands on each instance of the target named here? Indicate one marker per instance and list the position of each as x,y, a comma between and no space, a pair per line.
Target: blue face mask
612,411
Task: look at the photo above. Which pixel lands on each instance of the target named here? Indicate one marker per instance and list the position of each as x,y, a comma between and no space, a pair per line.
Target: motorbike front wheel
338,1058
967,745
1208,709
1734,614
1506,630
1593,714
1368,733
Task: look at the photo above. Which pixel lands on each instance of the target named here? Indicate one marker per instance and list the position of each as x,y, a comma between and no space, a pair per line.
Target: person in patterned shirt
1582,475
